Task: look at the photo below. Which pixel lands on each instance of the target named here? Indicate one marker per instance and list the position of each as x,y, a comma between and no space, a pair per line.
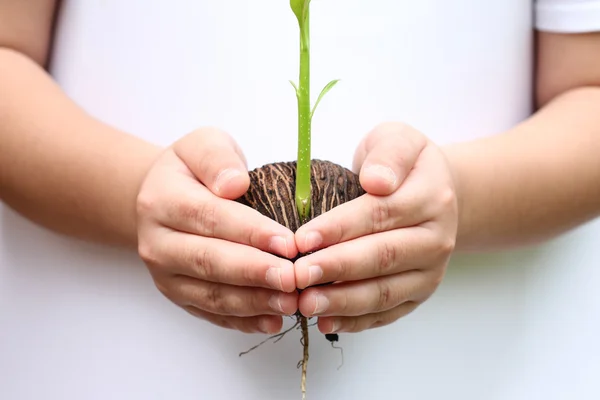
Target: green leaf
326,89
295,87
300,9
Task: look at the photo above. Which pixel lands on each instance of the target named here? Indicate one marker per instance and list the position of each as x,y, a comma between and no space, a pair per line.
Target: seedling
301,9
285,191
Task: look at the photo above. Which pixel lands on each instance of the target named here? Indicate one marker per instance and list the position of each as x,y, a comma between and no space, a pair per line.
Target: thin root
342,351
278,337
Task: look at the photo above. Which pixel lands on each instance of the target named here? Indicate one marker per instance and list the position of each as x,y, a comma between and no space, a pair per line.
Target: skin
388,249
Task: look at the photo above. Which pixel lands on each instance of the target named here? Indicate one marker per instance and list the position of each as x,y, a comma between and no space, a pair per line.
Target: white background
80,321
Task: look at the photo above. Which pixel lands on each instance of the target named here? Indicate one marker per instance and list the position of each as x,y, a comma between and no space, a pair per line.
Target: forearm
61,168
533,182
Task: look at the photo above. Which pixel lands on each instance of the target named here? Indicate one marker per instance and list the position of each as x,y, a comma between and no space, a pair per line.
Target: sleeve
567,16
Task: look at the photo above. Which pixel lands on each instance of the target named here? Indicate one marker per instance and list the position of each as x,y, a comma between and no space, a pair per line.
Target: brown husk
272,190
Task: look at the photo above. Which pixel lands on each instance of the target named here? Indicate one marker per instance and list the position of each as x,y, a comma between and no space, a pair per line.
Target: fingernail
275,304
336,326
315,273
274,278
263,325
312,240
278,244
383,172
321,304
225,176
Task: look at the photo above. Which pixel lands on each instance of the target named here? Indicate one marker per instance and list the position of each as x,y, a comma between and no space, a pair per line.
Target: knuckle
446,246
234,306
408,133
378,323
208,134
213,298
385,296
386,257
205,217
446,202
344,304
245,305
380,215
182,210
223,323
337,270
390,127
202,263
248,275
255,235
334,228
219,301
352,325
341,232
247,325
163,289
448,197
147,253
145,203
381,321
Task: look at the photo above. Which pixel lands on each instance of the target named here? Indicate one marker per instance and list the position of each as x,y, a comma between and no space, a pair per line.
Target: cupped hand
387,251
214,257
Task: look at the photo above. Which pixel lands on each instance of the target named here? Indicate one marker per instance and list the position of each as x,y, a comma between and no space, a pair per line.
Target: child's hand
206,253
388,250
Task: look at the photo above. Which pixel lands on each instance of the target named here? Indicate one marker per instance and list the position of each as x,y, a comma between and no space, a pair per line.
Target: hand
209,254
386,251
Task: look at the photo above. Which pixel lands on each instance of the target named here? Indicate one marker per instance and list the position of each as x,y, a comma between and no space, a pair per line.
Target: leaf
295,87
326,89
300,9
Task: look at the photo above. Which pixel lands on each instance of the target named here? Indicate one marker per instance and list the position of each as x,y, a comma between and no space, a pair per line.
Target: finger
424,195
187,206
371,256
261,324
364,322
367,215
235,301
386,156
367,297
216,160
217,261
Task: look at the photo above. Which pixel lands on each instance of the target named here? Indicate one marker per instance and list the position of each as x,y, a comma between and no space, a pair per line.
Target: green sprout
301,9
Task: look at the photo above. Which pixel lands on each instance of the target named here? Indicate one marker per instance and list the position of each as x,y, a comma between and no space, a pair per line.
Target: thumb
215,159
385,157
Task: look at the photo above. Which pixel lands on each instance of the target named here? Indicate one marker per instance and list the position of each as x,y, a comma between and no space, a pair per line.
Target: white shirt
568,16
83,322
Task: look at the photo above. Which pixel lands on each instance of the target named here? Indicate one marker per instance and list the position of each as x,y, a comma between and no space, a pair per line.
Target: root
278,337
334,337
341,351
304,326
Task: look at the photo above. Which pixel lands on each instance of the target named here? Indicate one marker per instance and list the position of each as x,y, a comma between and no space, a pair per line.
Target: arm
59,167
542,177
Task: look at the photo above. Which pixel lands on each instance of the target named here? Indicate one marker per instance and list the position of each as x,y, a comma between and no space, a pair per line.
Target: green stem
303,172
